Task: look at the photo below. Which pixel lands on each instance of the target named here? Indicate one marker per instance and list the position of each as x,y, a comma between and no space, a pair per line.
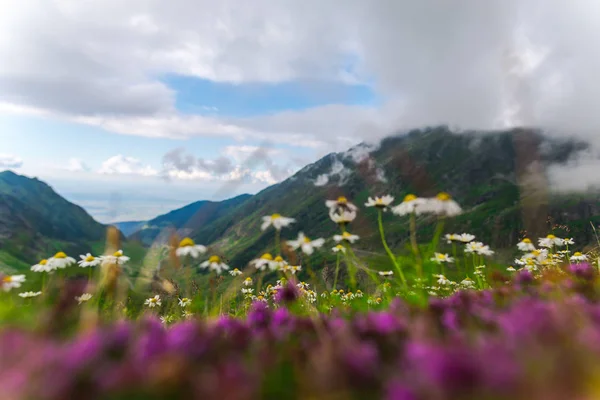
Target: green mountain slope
186,219
35,221
480,170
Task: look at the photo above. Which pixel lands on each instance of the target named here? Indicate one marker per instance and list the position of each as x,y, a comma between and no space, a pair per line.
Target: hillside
481,170
185,220
35,221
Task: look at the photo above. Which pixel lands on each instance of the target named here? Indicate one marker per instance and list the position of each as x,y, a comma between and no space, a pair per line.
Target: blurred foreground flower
27,295
9,282
187,247
410,205
84,298
347,237
116,258
307,245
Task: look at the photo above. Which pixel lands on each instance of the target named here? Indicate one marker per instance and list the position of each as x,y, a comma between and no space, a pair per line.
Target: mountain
185,220
498,178
36,222
129,227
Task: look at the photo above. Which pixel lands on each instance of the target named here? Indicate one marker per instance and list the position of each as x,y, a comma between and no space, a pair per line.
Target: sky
133,108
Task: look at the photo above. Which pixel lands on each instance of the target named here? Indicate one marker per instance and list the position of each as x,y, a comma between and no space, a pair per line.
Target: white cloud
10,161
123,165
77,165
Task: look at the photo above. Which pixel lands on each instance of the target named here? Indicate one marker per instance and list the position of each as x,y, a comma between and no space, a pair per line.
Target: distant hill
185,220
129,227
481,170
36,222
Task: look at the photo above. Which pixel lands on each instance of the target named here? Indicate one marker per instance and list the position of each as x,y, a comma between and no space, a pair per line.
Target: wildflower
262,262
187,247
479,248
442,280
187,315
479,270
42,266
343,217
578,257
308,246
248,281
214,263
525,245
85,297
451,237
310,296
359,293
442,204
380,202
511,269
339,248
60,260
89,261
324,294
277,221
303,285
340,206
294,269
153,302
185,302
550,241
9,282
465,237
166,319
27,295
411,204
346,236
116,258
278,264
442,258
467,283
569,241
247,291
235,272
386,273
583,271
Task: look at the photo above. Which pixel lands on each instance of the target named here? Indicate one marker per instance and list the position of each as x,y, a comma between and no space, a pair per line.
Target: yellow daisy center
358,292
43,262
409,197
153,300
550,237
278,259
342,200
527,240
60,254
90,258
443,196
267,256
186,242
339,246
536,252
7,279
275,216
578,254
346,235
118,254
441,256
214,259
306,239
185,300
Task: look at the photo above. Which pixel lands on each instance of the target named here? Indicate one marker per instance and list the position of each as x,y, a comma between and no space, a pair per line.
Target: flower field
444,321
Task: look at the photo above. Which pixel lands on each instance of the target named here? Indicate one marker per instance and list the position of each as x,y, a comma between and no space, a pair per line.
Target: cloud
579,174
10,161
77,165
123,165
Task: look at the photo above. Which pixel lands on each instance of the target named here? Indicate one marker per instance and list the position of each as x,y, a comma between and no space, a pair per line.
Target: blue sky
106,99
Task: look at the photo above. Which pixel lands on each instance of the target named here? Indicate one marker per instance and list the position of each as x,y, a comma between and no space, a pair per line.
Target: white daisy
382,202
410,204
525,245
442,204
116,258
294,268
511,269
578,257
340,206
339,249
305,243
235,272
89,261
214,263
248,282
569,241
343,217
467,283
166,319
442,258
386,273
185,302
465,237
442,280
247,291
451,237
42,266
60,261
153,301
85,297
187,247
478,248
27,295
551,241
9,282
303,285
346,236
187,315
277,221
278,264
264,261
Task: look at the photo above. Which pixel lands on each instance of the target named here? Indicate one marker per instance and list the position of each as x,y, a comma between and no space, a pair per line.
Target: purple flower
583,271
287,294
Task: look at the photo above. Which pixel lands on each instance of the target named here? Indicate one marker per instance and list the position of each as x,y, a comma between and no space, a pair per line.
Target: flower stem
337,270
414,244
387,249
